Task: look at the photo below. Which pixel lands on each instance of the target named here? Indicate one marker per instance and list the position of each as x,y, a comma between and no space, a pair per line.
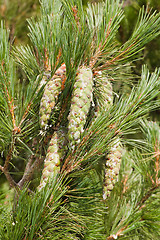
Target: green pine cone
80,104
50,96
62,143
55,154
112,168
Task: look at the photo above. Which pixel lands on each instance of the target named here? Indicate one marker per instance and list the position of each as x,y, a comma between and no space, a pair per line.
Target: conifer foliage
67,139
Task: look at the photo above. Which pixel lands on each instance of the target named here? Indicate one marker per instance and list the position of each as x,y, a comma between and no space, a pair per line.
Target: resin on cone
55,154
50,96
80,104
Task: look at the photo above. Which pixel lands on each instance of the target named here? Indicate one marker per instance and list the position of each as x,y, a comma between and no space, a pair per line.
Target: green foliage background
15,13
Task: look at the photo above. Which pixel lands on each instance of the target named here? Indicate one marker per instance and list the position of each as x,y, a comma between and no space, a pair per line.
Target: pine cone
50,96
44,80
112,168
55,154
80,104
62,143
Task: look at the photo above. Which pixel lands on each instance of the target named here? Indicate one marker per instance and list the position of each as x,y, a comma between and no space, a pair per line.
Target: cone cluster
50,96
81,100
80,104
112,168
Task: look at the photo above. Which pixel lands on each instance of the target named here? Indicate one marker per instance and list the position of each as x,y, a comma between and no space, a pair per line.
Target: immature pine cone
80,104
55,154
50,96
112,168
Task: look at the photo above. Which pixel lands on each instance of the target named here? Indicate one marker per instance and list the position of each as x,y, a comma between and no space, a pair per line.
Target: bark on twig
11,181
34,163
30,169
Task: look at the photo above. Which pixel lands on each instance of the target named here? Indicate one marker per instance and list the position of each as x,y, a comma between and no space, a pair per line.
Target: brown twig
26,172
30,169
12,183
34,162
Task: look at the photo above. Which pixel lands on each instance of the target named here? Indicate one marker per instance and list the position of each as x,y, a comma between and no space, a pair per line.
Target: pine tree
83,159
